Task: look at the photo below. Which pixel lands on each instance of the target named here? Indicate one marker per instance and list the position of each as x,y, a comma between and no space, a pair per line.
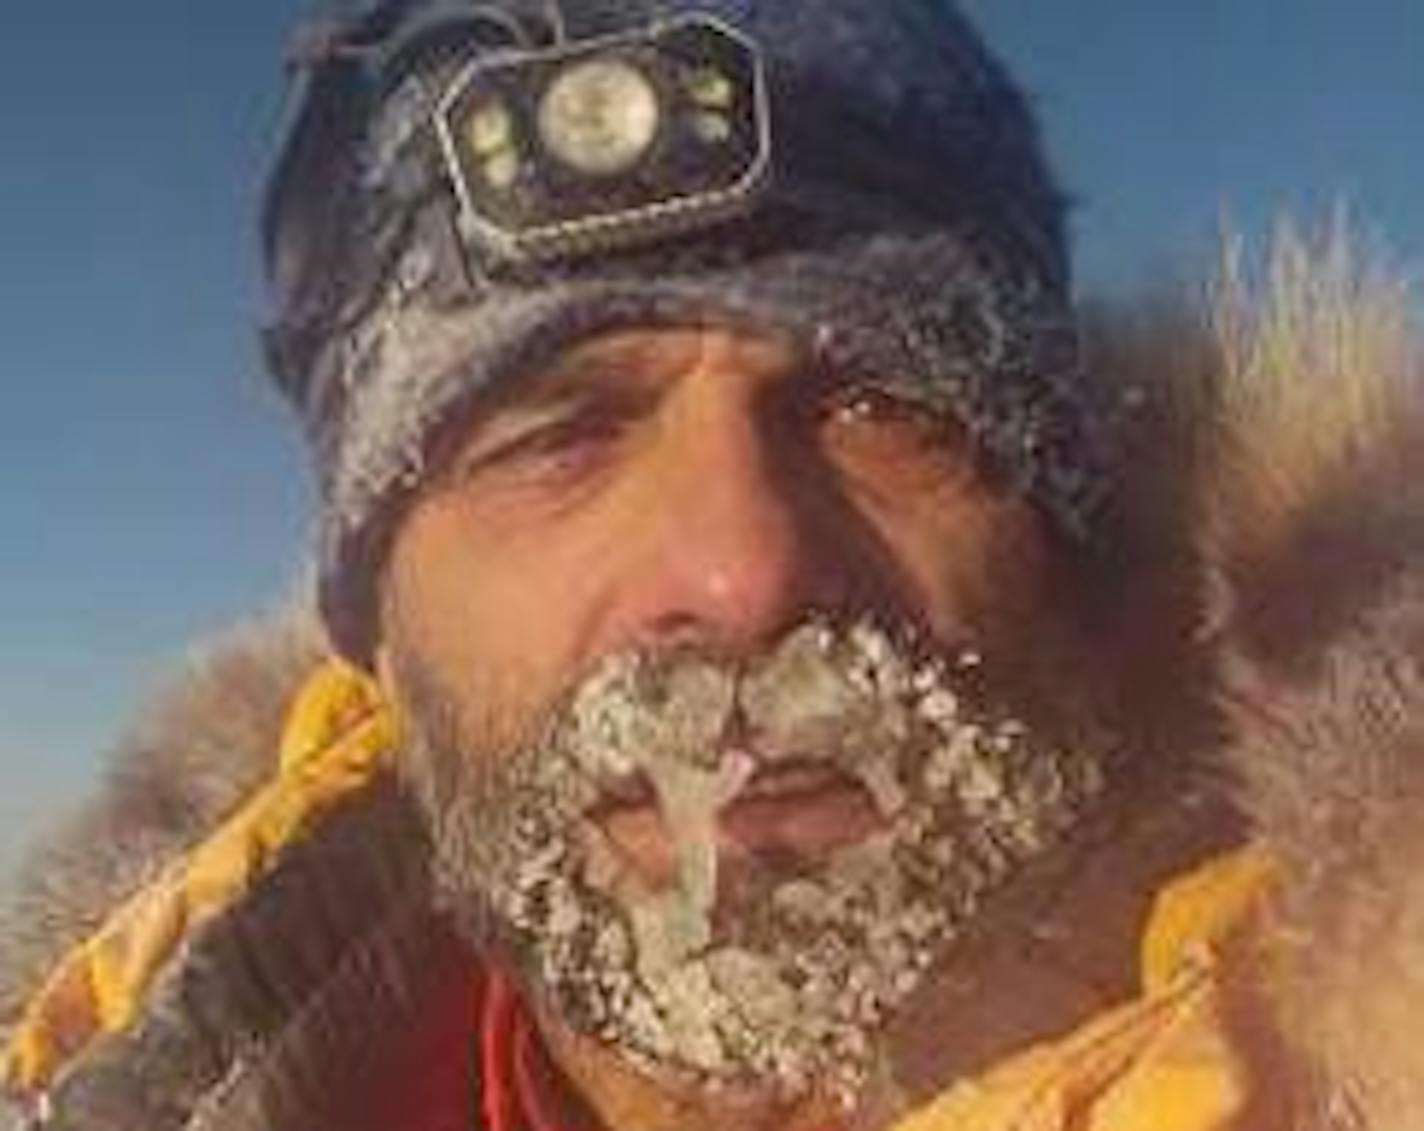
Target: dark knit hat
908,229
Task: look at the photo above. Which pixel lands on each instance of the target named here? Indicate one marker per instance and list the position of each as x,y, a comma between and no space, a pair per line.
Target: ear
384,609
382,668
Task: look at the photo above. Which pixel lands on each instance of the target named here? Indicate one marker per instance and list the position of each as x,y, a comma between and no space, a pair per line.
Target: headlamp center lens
600,116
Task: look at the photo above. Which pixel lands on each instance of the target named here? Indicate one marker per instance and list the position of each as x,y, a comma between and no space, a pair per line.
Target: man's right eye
538,447
882,438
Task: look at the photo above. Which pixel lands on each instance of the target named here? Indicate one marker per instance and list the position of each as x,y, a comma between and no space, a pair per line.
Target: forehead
653,353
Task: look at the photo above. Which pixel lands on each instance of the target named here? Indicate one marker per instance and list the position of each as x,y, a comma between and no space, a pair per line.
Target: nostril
631,791
680,630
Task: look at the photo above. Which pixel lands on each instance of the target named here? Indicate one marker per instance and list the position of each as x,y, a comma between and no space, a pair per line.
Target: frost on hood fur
1295,430
1315,530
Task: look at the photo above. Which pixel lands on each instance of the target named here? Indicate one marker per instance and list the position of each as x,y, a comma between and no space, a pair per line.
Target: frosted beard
781,973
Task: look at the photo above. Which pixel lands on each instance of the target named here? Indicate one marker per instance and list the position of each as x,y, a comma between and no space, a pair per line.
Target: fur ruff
1314,529
203,743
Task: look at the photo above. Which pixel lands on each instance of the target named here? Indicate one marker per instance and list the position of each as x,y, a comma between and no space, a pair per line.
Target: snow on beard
784,976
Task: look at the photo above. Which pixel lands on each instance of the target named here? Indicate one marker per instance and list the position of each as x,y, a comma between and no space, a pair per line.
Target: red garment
522,1090
477,1063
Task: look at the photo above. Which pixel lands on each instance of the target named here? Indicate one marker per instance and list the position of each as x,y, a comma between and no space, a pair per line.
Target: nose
733,539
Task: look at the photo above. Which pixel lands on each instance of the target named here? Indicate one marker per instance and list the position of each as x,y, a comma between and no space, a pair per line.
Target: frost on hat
910,230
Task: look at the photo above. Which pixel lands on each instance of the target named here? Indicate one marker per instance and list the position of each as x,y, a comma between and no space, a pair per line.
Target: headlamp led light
600,117
604,143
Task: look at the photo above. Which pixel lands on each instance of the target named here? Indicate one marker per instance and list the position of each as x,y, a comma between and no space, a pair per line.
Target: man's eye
883,437
868,404
868,409
562,436
565,443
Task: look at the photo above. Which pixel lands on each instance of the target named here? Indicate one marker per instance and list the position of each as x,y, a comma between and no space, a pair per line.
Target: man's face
679,618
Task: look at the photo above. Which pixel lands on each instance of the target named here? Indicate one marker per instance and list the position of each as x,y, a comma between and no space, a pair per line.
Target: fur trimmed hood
1315,534
204,742
1298,450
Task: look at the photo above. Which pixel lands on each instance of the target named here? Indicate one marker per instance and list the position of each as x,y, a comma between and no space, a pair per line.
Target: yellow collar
1165,1062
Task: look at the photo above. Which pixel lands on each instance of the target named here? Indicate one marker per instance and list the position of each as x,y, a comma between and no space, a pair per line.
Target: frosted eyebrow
601,366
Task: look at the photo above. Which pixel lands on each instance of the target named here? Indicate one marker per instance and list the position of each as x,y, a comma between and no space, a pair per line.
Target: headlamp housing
601,143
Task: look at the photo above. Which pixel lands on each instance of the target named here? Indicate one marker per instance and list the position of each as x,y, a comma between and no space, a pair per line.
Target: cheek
975,561
488,605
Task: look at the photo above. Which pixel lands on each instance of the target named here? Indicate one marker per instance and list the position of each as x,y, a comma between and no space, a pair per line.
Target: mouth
799,808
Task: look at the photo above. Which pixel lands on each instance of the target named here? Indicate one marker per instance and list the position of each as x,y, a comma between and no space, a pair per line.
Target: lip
785,778
799,808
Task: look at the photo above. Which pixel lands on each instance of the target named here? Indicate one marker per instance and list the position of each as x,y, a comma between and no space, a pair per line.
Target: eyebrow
589,368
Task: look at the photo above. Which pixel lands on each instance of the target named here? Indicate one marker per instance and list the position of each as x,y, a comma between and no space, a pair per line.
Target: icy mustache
694,732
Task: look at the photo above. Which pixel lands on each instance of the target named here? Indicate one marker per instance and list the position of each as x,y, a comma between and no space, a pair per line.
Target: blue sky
154,490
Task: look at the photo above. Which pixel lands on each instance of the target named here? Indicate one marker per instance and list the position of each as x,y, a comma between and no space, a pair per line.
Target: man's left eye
872,404
881,436
867,408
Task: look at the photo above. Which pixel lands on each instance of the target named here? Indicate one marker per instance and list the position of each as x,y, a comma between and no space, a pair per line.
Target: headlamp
594,145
